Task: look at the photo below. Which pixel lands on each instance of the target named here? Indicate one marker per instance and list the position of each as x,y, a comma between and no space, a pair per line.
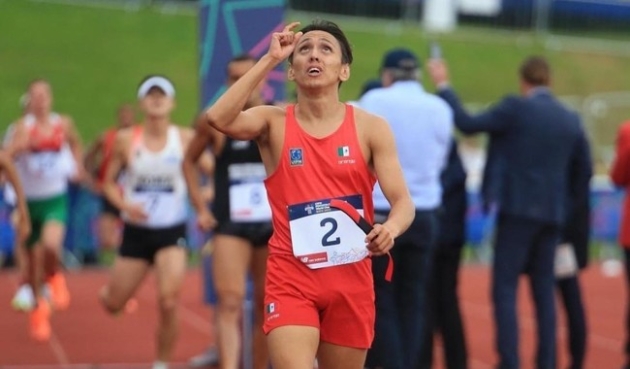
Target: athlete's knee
168,303
230,302
108,303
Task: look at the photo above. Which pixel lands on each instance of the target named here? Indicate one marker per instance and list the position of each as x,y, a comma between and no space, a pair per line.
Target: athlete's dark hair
336,32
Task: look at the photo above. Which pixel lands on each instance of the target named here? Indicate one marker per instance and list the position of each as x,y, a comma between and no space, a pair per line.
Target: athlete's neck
156,126
41,116
317,107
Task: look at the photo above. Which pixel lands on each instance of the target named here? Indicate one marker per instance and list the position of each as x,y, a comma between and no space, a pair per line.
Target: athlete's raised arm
226,114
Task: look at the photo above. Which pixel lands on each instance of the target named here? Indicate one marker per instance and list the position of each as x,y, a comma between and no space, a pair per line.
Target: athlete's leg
108,231
170,270
259,269
231,259
331,356
53,233
20,251
126,275
295,347
24,298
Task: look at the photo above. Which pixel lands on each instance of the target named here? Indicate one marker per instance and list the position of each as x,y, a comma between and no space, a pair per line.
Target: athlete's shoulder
65,120
186,133
123,135
364,117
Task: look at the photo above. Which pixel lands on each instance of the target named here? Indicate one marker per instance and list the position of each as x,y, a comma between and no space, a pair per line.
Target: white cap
159,82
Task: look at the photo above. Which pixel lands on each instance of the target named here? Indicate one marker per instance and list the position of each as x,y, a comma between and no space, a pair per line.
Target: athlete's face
40,97
317,61
236,70
157,104
126,116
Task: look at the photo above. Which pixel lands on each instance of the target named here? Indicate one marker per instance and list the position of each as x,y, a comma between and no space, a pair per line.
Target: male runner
47,150
98,158
242,216
153,208
319,297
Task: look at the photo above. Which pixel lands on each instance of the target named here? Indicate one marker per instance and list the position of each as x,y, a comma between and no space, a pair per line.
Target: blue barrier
85,206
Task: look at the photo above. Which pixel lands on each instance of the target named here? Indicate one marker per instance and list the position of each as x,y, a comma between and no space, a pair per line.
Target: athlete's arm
194,153
226,114
24,224
390,177
76,146
90,160
18,142
116,164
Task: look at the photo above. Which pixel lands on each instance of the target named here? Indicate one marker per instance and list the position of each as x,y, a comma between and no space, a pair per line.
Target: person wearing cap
153,209
541,184
422,125
47,151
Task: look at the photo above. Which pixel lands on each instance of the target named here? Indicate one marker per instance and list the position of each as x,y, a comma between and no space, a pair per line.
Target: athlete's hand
136,213
283,43
206,220
380,240
79,174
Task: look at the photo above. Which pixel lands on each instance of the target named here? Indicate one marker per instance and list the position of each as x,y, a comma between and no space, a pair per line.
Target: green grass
95,57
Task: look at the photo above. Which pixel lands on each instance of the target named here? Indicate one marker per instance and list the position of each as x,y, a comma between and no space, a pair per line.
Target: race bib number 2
322,236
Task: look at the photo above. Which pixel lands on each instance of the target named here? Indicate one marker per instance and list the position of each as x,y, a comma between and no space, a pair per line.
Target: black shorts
258,234
109,208
143,243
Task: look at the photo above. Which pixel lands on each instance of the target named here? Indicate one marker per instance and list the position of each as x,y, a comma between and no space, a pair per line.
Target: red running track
86,337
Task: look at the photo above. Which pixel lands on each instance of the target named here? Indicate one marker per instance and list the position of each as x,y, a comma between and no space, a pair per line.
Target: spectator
418,120
541,145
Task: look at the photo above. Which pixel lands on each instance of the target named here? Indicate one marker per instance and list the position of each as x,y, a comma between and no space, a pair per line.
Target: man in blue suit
538,144
575,233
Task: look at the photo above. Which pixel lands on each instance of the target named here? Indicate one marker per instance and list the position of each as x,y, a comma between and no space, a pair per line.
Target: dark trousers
444,314
571,297
401,307
524,245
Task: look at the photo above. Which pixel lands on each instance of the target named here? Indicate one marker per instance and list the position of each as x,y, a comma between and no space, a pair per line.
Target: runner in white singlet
47,150
153,208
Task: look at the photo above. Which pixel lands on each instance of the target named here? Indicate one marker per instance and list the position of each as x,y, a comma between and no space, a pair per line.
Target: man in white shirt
422,124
